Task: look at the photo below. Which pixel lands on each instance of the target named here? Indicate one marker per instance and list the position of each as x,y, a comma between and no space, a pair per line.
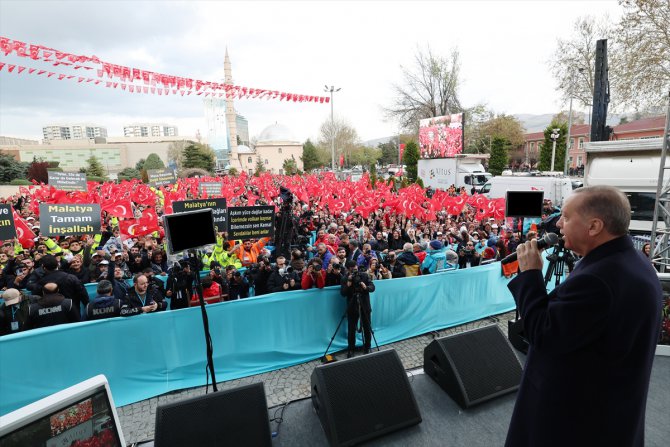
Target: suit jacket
592,344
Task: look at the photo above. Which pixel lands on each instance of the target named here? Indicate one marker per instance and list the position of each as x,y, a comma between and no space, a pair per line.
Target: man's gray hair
408,247
608,204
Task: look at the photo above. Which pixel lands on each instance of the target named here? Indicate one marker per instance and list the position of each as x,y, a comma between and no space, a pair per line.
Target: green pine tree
290,167
411,159
94,167
153,161
373,175
260,167
499,155
199,156
547,147
310,156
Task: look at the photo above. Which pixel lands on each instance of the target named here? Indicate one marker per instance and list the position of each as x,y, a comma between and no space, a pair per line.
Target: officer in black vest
104,305
13,312
51,308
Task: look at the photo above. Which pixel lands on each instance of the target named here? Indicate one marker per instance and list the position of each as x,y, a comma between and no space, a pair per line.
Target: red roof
577,130
653,123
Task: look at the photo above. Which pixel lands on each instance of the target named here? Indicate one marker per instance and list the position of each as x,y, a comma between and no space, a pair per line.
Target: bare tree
430,89
573,62
644,34
176,153
638,57
346,137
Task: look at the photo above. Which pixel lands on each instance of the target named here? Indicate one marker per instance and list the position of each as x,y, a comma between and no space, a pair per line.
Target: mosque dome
276,133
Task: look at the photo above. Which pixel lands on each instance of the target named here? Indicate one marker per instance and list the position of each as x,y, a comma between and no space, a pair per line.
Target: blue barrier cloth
148,355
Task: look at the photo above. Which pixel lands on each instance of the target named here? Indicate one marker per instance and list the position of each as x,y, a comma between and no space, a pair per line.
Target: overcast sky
294,47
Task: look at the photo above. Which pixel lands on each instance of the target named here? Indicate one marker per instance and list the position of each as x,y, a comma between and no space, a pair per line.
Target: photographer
282,279
468,256
314,276
238,285
356,287
393,265
363,260
377,271
262,277
179,285
334,272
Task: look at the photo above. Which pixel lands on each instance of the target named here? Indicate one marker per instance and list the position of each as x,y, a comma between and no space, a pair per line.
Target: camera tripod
558,260
328,358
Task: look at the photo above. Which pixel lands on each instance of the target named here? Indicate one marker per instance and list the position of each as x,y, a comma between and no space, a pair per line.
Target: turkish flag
341,160
127,227
402,150
122,208
24,233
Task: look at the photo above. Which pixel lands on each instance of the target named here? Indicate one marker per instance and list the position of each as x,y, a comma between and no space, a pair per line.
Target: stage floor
446,424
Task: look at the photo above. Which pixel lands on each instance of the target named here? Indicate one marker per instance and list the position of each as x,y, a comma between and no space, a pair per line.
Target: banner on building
61,219
68,181
218,206
161,177
7,227
246,222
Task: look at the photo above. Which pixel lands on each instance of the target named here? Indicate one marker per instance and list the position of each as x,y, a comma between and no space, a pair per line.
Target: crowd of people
44,285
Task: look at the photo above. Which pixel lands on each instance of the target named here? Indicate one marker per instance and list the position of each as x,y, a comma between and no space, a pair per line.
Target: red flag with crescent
122,208
24,233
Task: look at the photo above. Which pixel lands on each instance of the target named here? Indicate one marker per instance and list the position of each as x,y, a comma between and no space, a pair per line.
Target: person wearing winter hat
452,259
435,258
13,312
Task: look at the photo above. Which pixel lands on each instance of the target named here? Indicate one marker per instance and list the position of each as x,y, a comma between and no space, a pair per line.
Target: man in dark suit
356,286
593,338
354,251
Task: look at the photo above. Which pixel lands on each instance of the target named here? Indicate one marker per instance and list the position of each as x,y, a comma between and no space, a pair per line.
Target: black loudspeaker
237,417
363,398
474,366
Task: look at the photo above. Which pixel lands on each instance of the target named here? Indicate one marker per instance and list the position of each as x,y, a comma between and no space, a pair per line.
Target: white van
556,189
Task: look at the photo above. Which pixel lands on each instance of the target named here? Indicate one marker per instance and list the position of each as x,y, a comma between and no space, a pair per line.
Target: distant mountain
376,141
537,123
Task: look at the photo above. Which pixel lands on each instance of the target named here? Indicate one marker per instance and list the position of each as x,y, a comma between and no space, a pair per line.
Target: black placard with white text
69,219
212,188
7,227
246,222
161,177
68,181
218,206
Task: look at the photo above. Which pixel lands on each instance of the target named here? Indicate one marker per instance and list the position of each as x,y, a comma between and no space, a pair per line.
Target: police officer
104,305
51,308
356,287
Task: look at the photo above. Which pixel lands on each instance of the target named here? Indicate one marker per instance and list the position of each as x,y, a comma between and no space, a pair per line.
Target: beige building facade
275,144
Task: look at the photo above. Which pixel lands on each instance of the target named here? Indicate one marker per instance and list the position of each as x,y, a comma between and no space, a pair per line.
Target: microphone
549,240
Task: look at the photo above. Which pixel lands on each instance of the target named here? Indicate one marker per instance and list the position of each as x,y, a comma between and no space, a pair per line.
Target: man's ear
596,226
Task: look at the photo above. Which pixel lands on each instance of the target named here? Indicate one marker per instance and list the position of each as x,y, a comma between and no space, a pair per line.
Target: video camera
549,225
286,195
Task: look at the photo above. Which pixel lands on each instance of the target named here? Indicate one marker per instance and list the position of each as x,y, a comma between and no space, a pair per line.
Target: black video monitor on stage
188,230
524,203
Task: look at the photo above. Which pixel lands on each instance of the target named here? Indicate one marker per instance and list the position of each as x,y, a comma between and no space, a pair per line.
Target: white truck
462,170
632,166
556,189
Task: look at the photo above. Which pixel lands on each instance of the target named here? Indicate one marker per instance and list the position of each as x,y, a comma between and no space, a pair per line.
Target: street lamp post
568,142
555,133
332,90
